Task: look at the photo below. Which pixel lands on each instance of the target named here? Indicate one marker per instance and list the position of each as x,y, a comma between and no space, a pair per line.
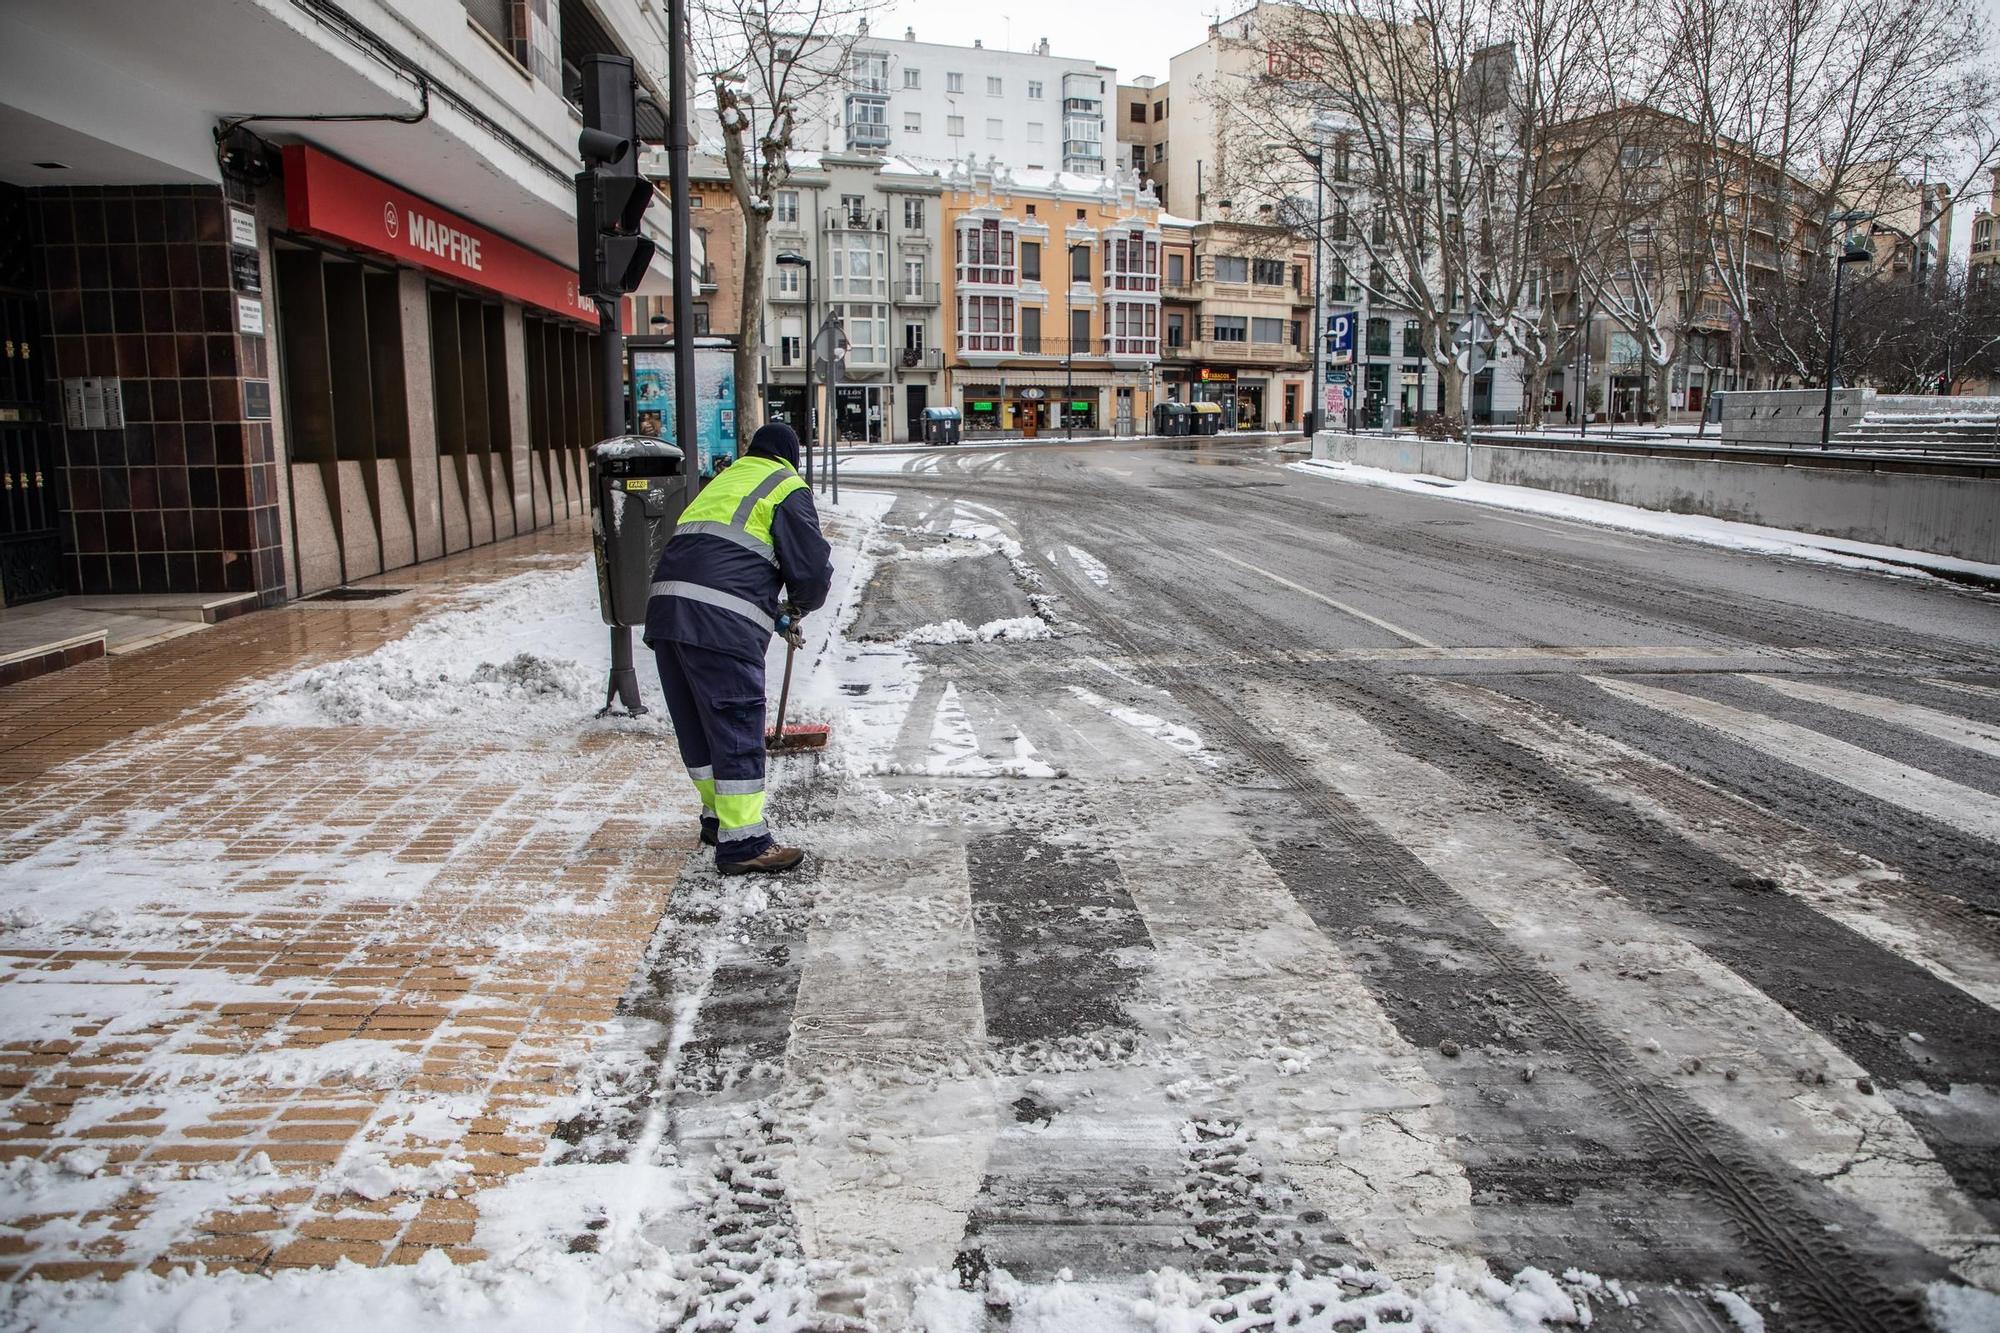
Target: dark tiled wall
185,497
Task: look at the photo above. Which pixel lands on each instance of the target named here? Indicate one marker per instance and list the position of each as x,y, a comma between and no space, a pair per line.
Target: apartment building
1912,227
1055,317
1142,124
1983,263
930,104
1669,293
715,224
872,227
336,348
1238,309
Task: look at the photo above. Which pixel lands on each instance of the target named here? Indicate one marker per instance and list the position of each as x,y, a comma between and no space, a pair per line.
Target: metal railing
857,219
1028,347
915,293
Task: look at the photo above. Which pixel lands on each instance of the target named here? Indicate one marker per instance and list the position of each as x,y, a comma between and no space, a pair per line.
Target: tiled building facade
183,497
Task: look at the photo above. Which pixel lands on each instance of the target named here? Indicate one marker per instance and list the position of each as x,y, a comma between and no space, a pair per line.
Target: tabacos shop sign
327,197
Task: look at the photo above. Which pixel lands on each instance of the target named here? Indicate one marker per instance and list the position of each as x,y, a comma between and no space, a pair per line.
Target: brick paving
379,999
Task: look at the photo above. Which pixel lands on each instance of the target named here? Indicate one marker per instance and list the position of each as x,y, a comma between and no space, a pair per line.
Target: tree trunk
749,330
1665,389
1534,387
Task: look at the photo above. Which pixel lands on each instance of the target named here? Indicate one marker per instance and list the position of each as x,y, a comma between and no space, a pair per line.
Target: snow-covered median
1749,537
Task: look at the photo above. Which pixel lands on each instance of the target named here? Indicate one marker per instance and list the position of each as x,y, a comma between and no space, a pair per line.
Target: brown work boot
774,860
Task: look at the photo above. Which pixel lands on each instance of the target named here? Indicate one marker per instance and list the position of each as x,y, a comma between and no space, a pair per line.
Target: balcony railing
794,295
1028,347
865,134
922,358
1246,353
707,277
857,219
916,293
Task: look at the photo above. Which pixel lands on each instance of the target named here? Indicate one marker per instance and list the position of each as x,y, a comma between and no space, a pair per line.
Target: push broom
805,736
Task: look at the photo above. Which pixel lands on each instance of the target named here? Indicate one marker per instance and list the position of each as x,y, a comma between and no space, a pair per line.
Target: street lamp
1313,160
1069,343
1849,254
793,259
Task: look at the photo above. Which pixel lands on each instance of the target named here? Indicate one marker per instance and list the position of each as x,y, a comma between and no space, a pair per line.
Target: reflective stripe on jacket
752,531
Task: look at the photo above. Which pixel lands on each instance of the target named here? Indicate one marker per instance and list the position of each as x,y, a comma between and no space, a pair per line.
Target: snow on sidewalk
1749,537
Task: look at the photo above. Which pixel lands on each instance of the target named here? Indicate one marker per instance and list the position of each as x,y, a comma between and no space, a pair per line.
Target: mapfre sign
326,197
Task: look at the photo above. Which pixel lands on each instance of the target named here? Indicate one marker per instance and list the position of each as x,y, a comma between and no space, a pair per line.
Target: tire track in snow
1726,1044
1940,934
1768,1213
1914,790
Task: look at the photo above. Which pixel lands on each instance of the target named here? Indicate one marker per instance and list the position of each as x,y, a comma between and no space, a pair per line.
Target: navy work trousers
716,702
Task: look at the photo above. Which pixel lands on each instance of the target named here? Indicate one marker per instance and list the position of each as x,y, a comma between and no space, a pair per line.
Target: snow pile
1735,536
1347,1298
520,656
370,1176
957,631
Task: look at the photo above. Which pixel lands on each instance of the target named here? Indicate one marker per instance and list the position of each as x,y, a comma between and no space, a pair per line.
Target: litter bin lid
1204,407
941,414
637,456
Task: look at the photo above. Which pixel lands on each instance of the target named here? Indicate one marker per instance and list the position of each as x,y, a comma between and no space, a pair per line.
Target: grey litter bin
640,486
942,425
1172,419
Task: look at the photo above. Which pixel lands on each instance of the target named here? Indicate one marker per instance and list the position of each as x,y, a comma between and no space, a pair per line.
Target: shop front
437,380
862,411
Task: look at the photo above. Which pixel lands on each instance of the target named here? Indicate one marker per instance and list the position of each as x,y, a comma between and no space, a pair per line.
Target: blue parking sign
1340,335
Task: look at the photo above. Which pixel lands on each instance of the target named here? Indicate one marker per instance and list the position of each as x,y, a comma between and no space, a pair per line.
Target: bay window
985,324
1132,263
985,252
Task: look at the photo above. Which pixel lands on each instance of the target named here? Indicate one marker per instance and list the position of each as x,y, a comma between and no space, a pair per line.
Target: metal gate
30,471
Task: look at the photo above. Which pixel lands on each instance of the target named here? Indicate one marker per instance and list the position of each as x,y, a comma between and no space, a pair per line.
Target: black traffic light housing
611,195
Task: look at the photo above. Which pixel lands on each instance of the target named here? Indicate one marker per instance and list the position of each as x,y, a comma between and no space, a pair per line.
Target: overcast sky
1132,36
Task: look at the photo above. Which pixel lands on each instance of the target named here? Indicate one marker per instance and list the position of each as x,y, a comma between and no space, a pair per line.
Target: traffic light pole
678,141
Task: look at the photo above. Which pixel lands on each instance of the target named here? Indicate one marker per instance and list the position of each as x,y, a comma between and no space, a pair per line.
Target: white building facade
871,227
933,104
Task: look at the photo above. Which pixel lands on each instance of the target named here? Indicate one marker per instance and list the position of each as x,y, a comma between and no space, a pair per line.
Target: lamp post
1849,254
1069,344
1313,160
793,259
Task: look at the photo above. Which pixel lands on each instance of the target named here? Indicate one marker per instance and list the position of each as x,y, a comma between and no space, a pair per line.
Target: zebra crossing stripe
1980,737
1912,789
1279,1031
1682,1008
1833,880
885,1056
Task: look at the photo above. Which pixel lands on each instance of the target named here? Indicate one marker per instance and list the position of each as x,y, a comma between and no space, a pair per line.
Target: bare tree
1799,105
1430,117
766,64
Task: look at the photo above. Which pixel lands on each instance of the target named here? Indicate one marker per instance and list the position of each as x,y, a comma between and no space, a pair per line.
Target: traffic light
611,195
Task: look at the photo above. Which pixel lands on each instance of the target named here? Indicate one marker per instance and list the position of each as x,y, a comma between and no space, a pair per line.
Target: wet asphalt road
1407,880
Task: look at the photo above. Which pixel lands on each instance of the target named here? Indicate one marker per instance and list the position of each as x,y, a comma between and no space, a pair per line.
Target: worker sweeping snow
715,604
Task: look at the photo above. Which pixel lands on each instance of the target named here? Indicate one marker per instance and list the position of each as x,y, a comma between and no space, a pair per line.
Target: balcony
795,295
858,219
921,358
986,349
707,278
1281,355
915,294
1179,291
866,136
